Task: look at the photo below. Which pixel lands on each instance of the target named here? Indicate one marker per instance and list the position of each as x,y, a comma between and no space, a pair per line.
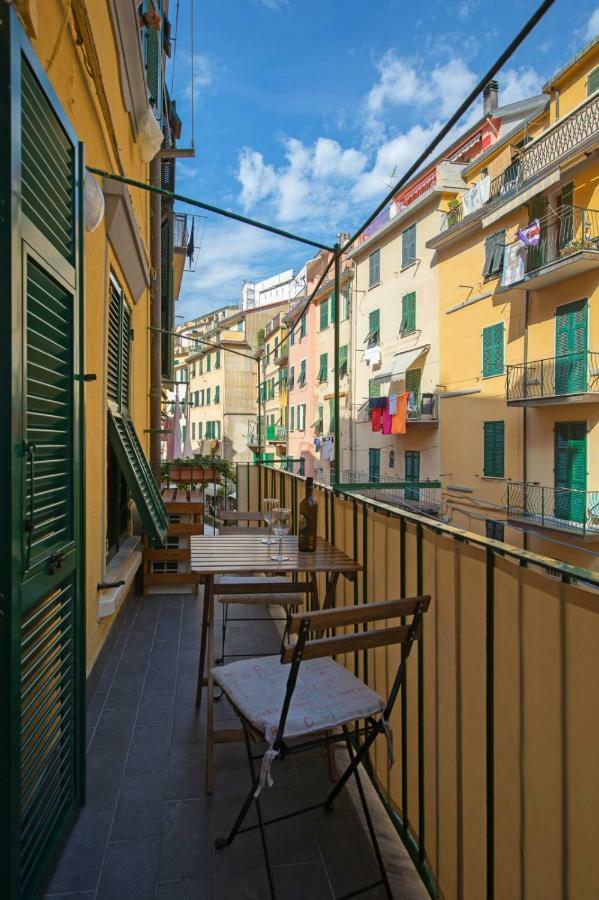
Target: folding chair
264,591
306,693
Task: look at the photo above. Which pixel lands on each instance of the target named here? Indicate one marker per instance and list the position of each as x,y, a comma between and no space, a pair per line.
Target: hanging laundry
514,263
398,425
317,444
411,402
372,356
531,234
377,415
387,420
392,404
327,446
391,459
373,402
477,196
427,404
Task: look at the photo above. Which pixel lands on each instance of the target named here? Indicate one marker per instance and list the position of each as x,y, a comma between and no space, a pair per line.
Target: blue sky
305,111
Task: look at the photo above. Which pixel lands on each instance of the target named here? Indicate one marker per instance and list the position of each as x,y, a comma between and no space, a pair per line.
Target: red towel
376,418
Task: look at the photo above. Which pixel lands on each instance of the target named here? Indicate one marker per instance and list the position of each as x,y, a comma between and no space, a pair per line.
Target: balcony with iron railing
180,231
276,434
423,409
554,380
573,134
565,509
424,496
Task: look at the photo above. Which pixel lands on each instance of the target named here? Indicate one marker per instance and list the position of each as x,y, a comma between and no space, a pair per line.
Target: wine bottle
308,519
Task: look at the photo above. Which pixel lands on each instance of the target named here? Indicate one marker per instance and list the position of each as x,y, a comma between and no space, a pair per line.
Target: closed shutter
374,464
493,449
292,418
412,473
408,245
323,372
125,356
47,169
324,315
374,388
374,268
493,361
408,313
494,252
153,54
374,327
346,301
135,467
167,310
570,471
571,331
593,81
302,374
333,306
332,414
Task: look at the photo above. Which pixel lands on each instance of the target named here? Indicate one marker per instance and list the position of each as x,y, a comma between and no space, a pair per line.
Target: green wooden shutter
114,342
571,335
125,355
493,350
374,464
346,301
593,81
292,418
332,414
408,245
412,473
323,372
217,394
374,326
493,449
47,169
494,252
153,59
333,307
324,314
413,380
408,312
374,388
343,360
374,268
135,467
570,471
217,361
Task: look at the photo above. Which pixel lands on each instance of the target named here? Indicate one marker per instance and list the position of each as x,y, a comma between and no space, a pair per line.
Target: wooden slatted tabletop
238,553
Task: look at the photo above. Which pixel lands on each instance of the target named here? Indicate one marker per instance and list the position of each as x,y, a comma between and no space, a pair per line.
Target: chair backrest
302,624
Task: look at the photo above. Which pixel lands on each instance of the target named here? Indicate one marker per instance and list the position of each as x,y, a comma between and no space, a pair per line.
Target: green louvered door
570,471
571,329
412,473
42,630
167,311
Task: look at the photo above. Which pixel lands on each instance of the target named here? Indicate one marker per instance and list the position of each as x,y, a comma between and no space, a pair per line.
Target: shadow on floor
148,829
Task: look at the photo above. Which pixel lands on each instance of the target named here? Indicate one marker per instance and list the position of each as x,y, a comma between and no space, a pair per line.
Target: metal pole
259,414
155,320
337,252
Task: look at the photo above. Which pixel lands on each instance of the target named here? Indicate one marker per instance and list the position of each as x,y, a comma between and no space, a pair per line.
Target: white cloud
203,74
516,84
592,29
275,4
258,180
392,158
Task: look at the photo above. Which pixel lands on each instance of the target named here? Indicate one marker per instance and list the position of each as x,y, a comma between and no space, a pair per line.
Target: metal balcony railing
180,231
421,499
564,231
574,510
574,373
276,433
425,408
566,135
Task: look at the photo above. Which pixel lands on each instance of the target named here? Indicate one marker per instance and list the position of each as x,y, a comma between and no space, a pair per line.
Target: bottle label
302,522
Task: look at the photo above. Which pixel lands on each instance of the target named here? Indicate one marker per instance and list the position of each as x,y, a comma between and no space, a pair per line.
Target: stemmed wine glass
281,523
268,504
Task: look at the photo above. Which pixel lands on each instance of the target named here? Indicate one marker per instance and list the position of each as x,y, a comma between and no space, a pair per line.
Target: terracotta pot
193,473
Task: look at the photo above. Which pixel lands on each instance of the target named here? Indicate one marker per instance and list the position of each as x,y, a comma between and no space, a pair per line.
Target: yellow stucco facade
553,299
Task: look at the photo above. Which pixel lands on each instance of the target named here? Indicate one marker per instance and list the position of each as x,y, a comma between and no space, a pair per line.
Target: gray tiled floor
147,830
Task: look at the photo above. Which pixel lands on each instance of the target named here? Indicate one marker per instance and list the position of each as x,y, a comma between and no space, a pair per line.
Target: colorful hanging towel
373,402
387,420
411,402
531,235
392,404
376,419
398,425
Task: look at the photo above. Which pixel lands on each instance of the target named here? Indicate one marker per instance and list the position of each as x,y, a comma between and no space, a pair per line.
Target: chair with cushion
276,590
295,702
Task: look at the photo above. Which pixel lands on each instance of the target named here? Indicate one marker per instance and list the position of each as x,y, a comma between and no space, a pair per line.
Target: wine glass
268,504
281,523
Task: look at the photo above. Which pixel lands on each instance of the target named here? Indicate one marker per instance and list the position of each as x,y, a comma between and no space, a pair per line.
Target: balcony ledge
122,567
565,267
535,522
555,399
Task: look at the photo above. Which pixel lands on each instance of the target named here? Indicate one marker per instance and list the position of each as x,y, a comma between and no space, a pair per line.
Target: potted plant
195,470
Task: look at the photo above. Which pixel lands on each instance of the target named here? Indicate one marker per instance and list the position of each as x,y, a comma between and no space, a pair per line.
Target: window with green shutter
493,353
323,371
374,328
193,431
303,326
408,245
200,430
333,307
494,249
493,449
208,391
408,313
374,464
413,380
119,345
167,297
570,471
332,414
292,337
593,81
292,418
217,394
318,425
374,268
346,300
343,361
217,360
208,362
302,374
324,314
374,388
152,47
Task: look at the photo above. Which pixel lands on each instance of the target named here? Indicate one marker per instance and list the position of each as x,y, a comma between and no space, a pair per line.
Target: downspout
155,319
524,409
337,467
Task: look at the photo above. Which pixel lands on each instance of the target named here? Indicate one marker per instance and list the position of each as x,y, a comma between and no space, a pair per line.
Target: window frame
323,369
488,373
491,270
410,230
408,326
376,254
491,434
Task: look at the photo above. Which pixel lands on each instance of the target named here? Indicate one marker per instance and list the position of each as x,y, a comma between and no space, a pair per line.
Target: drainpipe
337,467
524,409
155,319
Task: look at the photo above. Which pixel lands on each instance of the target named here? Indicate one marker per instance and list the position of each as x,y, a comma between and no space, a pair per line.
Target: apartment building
301,334
274,388
518,264
223,384
285,286
396,322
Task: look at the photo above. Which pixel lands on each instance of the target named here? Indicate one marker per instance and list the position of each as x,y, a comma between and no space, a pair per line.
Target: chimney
490,98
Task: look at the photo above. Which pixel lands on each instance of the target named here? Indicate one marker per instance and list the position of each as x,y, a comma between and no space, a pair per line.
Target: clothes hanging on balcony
377,414
411,402
427,405
531,234
377,402
398,424
477,196
387,420
372,356
327,448
392,404
502,161
514,267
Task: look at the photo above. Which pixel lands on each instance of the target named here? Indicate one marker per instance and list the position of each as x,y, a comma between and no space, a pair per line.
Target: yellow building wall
77,94
572,85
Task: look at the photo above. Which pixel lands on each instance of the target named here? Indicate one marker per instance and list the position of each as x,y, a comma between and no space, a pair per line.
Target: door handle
55,562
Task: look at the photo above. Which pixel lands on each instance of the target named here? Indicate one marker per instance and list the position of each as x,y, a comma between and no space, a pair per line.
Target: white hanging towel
372,356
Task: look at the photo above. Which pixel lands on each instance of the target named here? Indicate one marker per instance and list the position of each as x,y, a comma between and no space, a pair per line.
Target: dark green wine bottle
308,519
